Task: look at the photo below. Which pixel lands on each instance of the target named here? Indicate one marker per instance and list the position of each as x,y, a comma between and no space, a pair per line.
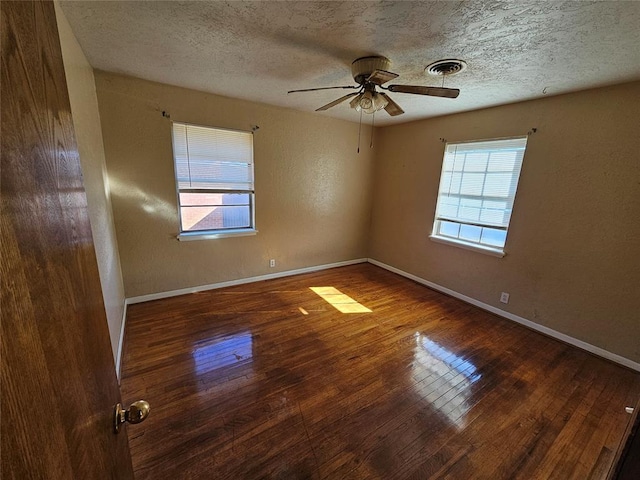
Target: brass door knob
136,413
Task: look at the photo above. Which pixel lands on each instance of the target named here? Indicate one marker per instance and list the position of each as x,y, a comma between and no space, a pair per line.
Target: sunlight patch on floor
343,303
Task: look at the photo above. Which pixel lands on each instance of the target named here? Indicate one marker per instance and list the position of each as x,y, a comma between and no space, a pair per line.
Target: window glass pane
450,229
210,211
200,218
236,199
235,216
470,233
214,218
493,237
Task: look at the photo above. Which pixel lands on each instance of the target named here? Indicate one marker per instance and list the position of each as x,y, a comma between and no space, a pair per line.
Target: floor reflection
223,352
443,378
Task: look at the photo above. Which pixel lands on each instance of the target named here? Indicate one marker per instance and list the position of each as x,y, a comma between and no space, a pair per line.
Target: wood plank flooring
269,381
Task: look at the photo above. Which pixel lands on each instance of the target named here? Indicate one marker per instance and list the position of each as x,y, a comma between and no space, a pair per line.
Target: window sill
495,252
211,235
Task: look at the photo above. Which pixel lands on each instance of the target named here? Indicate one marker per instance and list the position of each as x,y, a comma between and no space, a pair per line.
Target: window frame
209,234
486,248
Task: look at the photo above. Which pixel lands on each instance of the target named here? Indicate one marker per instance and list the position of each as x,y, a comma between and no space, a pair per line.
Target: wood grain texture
628,458
58,376
267,380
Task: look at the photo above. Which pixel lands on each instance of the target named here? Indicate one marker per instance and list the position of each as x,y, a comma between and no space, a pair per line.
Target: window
214,177
477,189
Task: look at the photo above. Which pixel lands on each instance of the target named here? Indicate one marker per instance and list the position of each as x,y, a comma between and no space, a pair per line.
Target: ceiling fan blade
336,102
381,76
322,88
392,107
432,91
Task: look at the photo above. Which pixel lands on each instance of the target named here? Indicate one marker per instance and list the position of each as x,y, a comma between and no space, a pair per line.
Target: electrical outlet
272,262
504,297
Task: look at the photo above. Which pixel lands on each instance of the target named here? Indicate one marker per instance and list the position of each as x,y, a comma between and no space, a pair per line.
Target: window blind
477,189
214,178
212,159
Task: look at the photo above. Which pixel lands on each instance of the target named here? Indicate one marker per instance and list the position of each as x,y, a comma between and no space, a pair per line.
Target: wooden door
58,376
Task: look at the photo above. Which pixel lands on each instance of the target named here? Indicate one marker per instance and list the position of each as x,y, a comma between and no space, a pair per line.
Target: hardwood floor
268,380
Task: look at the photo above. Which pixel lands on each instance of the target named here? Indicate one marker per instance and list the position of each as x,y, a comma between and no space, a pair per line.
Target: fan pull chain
359,130
373,123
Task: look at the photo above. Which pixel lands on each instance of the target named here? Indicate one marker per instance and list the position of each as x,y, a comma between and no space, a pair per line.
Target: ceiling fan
372,72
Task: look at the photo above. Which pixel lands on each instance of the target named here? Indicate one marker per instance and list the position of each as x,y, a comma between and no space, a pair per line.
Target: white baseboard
510,316
241,281
121,341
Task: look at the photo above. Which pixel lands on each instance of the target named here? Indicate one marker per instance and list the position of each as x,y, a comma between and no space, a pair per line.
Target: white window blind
477,190
211,158
214,176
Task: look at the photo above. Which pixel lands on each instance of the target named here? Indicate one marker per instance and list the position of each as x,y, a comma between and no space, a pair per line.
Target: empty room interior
363,240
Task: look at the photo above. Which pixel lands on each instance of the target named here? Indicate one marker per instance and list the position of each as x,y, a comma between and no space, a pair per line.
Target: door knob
136,413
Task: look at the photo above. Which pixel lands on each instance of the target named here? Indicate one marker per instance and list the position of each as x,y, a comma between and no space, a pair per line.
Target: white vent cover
450,66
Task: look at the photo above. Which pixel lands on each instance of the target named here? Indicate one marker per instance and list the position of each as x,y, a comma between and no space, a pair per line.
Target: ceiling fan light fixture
366,102
380,101
369,102
355,103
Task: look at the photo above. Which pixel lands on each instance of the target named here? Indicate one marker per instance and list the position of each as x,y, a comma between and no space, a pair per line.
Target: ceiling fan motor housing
362,67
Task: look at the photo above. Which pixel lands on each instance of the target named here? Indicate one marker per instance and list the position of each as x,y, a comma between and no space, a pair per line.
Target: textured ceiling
259,50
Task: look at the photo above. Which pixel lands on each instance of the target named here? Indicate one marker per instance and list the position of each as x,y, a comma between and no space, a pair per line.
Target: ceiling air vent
450,66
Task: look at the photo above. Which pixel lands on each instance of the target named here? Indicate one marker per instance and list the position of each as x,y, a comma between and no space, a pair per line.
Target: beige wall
86,120
573,247
313,191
